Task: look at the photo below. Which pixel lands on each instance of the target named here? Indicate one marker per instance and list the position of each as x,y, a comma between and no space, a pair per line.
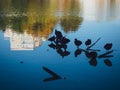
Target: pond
59,44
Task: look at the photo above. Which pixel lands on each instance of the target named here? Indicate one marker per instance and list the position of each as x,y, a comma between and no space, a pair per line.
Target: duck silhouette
77,42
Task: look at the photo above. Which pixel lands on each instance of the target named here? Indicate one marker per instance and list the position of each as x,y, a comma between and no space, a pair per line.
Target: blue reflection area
79,74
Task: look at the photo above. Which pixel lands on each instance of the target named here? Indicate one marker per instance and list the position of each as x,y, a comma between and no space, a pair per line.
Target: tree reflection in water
59,43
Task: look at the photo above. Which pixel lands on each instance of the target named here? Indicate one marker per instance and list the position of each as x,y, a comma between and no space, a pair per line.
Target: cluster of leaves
92,54
59,43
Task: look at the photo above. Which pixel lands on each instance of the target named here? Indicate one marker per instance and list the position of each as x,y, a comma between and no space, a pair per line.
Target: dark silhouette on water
77,52
58,34
59,43
77,42
52,39
108,46
93,62
52,45
108,62
88,42
21,62
53,74
92,54
93,44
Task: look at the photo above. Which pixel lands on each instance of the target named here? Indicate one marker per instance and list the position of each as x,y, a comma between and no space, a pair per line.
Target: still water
59,44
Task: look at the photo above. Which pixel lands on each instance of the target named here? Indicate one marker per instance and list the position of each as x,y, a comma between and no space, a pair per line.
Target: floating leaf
93,54
66,53
77,42
88,42
108,46
87,54
65,40
51,38
58,34
52,45
77,52
93,62
108,62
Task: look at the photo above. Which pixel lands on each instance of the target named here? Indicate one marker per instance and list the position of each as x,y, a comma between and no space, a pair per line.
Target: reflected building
22,41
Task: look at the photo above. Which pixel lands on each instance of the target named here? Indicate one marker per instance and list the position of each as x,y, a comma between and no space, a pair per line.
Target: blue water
78,72
23,69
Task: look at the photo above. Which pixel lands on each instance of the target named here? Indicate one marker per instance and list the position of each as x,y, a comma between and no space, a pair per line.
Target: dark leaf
108,62
58,34
108,46
77,42
88,42
93,54
87,54
77,52
66,53
65,40
52,45
93,62
51,38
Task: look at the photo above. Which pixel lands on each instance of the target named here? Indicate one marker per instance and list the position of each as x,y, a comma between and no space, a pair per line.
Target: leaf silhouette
93,62
51,39
108,46
87,54
88,42
77,42
93,54
65,40
58,34
52,45
66,53
77,52
108,62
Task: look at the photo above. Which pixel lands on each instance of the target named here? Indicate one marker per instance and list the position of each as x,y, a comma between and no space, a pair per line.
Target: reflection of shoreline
23,41
88,9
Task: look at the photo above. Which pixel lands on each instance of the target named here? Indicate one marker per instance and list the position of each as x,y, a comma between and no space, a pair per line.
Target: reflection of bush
42,26
71,23
17,22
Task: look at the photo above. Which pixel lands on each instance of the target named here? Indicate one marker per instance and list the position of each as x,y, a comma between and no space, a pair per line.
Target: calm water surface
25,49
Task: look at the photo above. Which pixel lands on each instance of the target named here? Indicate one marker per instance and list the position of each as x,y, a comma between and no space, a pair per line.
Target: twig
93,44
105,54
94,50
